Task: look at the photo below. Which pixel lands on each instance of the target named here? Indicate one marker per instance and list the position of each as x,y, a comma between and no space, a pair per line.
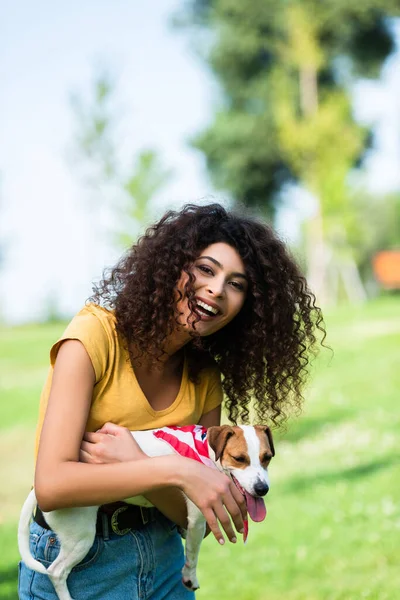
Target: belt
118,517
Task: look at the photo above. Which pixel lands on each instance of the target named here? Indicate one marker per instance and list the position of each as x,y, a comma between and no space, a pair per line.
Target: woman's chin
206,327
198,327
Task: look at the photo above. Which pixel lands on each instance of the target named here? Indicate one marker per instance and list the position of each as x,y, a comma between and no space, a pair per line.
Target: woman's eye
205,269
237,285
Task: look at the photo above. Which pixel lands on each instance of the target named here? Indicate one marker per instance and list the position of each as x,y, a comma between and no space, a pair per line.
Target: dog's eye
240,459
266,457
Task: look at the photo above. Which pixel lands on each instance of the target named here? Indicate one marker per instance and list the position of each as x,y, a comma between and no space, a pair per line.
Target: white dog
243,452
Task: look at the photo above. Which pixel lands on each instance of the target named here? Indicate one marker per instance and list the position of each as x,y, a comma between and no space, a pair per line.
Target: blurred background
113,112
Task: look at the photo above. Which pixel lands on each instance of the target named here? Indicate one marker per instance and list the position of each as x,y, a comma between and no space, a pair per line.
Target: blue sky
50,50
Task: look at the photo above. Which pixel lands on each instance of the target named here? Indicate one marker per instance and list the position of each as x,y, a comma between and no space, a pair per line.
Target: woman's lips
200,311
204,316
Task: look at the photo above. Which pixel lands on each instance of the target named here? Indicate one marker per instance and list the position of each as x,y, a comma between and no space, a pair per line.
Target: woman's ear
217,437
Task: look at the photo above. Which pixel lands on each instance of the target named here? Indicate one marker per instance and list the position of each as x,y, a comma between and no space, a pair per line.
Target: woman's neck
174,342
173,353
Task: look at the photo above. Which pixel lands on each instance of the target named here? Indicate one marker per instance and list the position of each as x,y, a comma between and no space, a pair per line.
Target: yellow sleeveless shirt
117,396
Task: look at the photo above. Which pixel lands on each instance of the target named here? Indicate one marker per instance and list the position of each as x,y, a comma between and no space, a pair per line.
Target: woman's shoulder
94,314
91,324
94,327
100,312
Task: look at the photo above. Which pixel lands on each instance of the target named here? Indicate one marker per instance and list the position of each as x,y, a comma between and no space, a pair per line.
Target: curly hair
263,353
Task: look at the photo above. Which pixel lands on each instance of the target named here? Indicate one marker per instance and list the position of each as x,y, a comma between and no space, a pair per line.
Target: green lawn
333,525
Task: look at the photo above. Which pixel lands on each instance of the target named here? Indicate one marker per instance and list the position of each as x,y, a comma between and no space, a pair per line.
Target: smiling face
220,289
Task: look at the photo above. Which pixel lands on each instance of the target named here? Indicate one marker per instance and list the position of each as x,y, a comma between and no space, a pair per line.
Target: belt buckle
114,521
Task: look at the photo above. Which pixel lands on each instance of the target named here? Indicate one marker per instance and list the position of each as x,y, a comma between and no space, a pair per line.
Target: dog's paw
189,578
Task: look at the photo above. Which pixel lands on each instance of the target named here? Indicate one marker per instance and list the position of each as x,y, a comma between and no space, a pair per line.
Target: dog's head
245,453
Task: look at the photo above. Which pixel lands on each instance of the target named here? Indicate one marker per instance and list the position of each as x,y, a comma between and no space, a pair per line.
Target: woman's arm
114,444
170,500
61,481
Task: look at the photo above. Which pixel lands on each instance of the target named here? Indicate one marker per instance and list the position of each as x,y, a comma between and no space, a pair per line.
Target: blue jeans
140,565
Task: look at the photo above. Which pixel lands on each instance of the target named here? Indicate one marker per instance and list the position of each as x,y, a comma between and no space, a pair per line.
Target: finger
225,521
93,437
240,500
213,525
235,512
86,447
111,429
85,456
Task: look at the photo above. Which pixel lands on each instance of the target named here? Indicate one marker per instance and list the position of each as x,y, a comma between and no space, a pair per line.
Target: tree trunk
316,254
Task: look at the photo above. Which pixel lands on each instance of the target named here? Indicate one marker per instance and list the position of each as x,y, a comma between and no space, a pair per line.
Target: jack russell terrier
242,452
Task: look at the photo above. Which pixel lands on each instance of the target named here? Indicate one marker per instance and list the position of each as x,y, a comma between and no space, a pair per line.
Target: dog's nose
261,488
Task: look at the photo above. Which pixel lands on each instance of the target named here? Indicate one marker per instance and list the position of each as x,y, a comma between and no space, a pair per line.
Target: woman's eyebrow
216,262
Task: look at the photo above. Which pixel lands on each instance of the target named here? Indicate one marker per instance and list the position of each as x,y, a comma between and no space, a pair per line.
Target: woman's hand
109,444
215,494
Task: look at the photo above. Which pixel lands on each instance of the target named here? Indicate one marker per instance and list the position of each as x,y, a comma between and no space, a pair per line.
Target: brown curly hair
263,354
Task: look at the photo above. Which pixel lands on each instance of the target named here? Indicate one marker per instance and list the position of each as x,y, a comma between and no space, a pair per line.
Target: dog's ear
265,429
217,437
270,440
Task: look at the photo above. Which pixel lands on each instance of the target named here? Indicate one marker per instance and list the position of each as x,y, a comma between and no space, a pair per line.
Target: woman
204,292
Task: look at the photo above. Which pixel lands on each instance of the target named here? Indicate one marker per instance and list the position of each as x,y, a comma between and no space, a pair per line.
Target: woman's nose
216,289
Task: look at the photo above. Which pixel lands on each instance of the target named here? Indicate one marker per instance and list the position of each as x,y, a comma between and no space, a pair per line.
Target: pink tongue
256,508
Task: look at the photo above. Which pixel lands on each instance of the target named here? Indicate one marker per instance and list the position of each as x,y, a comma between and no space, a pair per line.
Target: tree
320,142
126,193
140,185
284,68
242,148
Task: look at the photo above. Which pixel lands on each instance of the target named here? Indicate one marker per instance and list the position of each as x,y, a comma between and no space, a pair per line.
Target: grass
333,521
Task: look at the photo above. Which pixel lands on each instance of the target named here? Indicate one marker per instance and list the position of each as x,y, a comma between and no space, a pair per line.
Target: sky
49,228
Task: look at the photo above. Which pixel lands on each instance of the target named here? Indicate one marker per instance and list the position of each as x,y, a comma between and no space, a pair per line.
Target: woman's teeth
207,308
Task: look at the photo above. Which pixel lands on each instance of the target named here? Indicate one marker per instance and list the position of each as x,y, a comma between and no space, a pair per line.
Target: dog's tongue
256,508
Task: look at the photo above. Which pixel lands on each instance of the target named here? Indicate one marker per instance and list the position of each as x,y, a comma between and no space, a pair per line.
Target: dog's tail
23,534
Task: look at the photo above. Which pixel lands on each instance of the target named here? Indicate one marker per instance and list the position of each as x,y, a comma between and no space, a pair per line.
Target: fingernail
233,540
241,530
221,541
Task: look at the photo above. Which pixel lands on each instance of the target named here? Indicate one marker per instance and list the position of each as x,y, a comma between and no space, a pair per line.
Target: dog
242,452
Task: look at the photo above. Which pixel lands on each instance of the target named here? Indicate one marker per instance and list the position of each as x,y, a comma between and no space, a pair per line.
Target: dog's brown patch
229,444
267,450
217,437
235,452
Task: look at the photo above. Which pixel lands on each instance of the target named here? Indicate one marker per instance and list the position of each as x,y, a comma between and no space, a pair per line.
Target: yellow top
117,396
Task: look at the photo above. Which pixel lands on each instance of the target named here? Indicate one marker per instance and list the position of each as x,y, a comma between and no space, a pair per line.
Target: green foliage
333,520
249,43
24,362
141,184
374,225
130,190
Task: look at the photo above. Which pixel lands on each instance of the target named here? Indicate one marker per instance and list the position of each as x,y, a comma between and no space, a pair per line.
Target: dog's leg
58,578
195,534
70,555
76,530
